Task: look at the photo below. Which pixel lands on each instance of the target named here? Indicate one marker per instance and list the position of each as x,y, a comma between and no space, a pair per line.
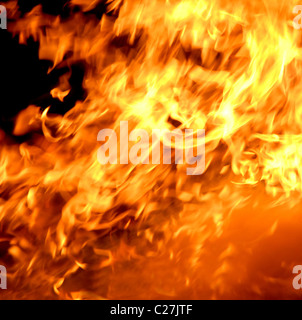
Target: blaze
71,228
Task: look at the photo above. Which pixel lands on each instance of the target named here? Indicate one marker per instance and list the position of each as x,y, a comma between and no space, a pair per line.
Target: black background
24,79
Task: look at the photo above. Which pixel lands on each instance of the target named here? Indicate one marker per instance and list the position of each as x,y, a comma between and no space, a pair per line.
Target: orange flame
73,229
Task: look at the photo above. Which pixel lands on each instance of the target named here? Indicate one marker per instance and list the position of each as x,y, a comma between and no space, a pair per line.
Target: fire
71,228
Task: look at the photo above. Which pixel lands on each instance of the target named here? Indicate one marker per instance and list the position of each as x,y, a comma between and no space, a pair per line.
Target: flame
71,228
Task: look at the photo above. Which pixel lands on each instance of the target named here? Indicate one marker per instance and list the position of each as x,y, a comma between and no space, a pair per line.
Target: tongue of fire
71,228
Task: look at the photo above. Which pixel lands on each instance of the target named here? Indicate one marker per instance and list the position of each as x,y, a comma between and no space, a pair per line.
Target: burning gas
71,228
